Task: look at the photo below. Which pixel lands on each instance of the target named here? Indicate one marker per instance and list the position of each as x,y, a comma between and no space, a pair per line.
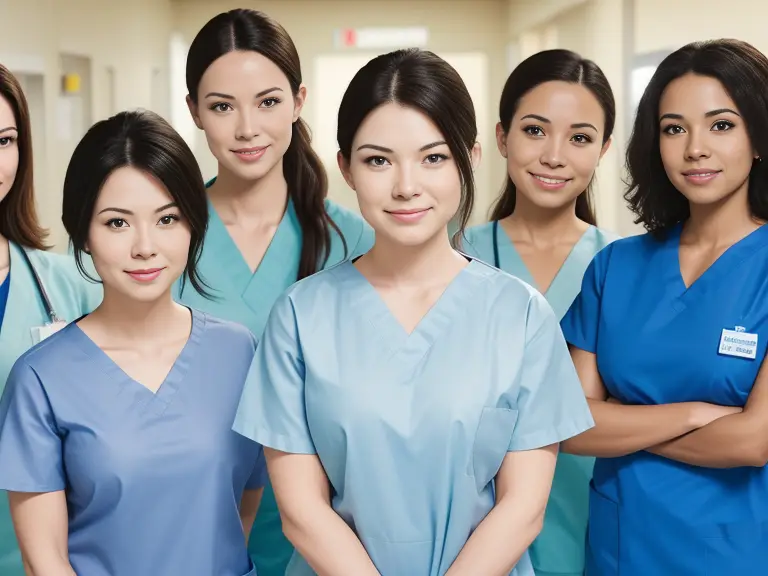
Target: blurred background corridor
83,60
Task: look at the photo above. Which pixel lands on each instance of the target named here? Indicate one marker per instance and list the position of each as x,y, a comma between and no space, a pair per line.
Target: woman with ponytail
270,222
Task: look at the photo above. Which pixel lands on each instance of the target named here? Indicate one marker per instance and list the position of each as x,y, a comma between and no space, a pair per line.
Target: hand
703,413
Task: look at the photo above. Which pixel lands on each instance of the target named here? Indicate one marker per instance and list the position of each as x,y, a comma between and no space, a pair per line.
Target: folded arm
620,430
522,489
40,521
322,538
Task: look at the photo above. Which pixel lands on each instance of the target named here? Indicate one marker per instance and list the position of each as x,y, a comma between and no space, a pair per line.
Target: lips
701,172
246,151
547,179
145,275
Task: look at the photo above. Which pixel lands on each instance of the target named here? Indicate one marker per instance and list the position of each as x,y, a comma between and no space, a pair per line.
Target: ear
476,155
298,102
501,139
193,112
344,167
605,148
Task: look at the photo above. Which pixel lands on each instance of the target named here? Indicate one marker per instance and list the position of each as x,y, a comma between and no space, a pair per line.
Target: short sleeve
580,323
551,403
271,410
258,478
30,444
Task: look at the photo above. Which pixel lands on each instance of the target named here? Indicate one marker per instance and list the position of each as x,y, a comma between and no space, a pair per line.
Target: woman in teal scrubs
270,222
556,118
39,291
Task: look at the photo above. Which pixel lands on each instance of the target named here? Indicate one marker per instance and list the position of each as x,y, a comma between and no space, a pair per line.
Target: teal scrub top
247,297
411,428
560,548
71,296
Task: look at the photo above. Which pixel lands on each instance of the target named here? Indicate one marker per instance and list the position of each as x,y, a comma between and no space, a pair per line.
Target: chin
248,172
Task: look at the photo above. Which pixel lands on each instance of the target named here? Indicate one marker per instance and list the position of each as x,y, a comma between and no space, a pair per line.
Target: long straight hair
18,216
250,30
548,66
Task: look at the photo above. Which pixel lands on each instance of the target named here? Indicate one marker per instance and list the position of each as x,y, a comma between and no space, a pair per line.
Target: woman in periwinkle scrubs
412,400
116,445
556,119
40,290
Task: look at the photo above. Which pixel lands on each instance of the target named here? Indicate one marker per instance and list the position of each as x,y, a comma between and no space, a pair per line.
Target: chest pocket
494,433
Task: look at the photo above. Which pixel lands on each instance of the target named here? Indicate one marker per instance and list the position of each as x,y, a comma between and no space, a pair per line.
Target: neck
723,222
544,225
394,263
137,320
236,199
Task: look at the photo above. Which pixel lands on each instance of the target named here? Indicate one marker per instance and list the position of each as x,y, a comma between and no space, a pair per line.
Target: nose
406,186
696,146
246,129
144,246
552,154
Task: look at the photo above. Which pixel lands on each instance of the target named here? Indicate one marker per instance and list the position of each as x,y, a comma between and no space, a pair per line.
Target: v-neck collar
509,255
136,393
279,266
734,256
396,341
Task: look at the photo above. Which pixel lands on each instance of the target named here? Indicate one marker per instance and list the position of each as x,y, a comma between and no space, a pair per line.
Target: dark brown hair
743,71
423,81
250,30
547,66
18,216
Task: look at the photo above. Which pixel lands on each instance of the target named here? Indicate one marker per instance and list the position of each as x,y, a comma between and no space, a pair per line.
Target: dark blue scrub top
4,287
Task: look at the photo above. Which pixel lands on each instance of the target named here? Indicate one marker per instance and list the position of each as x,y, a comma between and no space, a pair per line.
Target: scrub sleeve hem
538,572
551,436
269,439
578,342
32,488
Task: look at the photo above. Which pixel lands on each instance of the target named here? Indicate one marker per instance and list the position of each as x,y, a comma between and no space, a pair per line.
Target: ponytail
307,188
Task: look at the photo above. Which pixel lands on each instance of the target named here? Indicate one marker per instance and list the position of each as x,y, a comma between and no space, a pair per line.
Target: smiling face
407,182
704,144
554,143
247,110
9,148
138,239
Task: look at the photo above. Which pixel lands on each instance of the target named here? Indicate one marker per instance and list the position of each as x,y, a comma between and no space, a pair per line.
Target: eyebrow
230,97
8,129
129,213
547,121
390,151
707,115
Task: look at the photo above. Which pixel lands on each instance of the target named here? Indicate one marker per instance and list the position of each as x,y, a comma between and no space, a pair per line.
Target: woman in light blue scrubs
670,329
39,291
556,119
115,433
270,221
413,418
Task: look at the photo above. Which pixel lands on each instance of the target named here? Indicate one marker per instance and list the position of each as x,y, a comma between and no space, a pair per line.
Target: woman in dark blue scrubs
669,332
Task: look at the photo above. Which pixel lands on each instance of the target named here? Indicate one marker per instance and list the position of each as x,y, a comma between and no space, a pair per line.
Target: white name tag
738,343
40,333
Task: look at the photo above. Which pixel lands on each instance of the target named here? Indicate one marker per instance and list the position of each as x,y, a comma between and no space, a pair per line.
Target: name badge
738,343
40,333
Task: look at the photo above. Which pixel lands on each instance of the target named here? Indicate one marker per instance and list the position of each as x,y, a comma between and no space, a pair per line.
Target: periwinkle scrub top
247,297
657,341
412,429
559,548
153,481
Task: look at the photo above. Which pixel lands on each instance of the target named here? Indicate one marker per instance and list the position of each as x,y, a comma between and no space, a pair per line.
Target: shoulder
66,285
225,334
350,223
605,237
476,234
56,351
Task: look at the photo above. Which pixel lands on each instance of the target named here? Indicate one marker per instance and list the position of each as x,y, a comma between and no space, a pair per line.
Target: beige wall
476,25
127,43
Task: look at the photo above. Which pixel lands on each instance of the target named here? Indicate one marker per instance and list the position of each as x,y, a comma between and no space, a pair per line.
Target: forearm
500,539
48,564
728,442
327,543
620,430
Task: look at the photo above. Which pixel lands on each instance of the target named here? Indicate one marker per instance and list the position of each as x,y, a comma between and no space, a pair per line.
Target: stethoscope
496,260
52,316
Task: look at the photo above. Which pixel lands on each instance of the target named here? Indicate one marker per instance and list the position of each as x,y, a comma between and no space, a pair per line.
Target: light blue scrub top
657,342
247,297
559,549
153,480
71,296
412,429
